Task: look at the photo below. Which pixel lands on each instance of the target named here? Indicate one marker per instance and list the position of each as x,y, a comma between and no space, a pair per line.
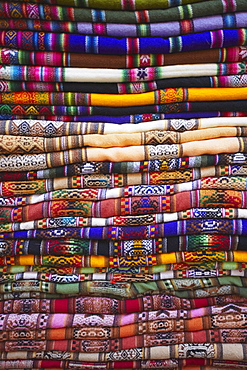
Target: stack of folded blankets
123,184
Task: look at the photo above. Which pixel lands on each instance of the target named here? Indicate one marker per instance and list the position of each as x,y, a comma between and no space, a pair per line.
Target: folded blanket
78,221
183,268
48,128
220,351
69,247
27,144
121,201
25,10
61,59
164,96
126,88
33,208
108,345
127,261
126,365
94,345
104,305
161,183
127,277
67,74
137,118
156,179
83,112
214,165
117,4
28,162
119,46
172,228
187,319
177,287
175,28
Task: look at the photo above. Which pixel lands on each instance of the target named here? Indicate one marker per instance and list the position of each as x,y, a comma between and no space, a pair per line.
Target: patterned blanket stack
123,184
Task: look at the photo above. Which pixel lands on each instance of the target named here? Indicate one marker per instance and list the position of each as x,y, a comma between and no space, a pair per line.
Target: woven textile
106,45
26,144
126,88
59,74
40,11
27,209
237,20
143,152
164,96
212,226
116,4
18,56
123,182
136,118
50,128
70,246
132,204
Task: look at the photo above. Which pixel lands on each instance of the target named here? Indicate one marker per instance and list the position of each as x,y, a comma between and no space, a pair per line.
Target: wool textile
123,184
11,56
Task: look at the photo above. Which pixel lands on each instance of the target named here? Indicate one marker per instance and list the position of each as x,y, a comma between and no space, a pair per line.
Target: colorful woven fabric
69,246
183,288
26,144
30,187
233,351
108,345
226,21
144,340
123,172
112,277
129,365
77,221
184,268
164,96
126,88
129,204
107,45
144,152
181,227
137,118
103,305
9,111
191,319
238,182
41,11
49,128
27,209
117,4
179,364
59,74
126,261
59,59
